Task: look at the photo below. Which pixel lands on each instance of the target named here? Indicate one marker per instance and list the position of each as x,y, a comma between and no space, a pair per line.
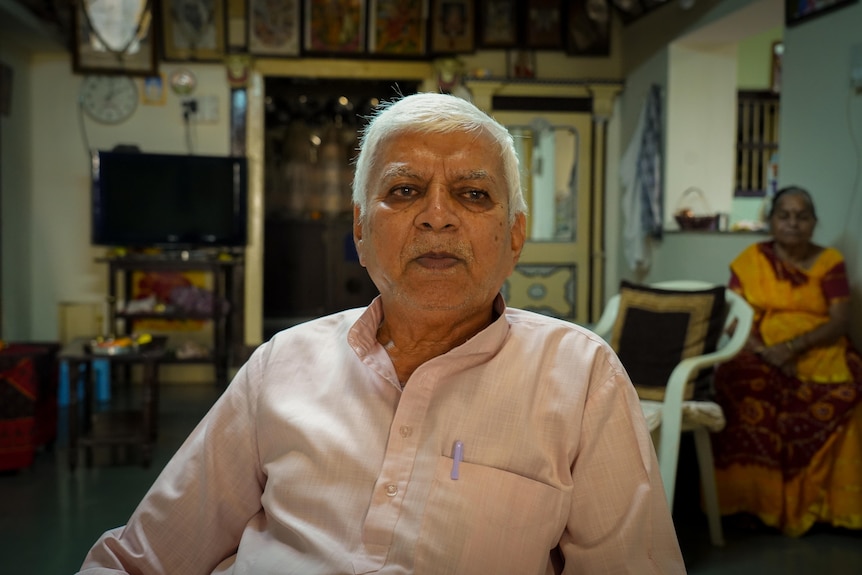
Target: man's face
436,232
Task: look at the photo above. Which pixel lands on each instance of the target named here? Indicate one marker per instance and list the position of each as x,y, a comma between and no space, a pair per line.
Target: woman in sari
791,453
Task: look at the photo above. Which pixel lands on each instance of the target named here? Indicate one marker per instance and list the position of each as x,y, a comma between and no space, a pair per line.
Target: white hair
432,113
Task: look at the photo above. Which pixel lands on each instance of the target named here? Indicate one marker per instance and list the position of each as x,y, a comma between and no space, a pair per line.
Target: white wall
701,129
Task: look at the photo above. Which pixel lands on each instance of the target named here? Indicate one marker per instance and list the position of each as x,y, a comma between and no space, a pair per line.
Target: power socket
204,109
190,108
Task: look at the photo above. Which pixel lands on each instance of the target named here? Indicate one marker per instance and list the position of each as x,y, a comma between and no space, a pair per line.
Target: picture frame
154,90
453,27
397,27
520,64
130,44
498,24
193,30
321,37
274,27
544,20
588,28
796,12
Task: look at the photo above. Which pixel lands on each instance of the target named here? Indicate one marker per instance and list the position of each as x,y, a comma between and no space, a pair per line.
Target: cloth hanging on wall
642,184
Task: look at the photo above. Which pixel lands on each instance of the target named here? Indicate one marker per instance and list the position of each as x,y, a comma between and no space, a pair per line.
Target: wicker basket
688,217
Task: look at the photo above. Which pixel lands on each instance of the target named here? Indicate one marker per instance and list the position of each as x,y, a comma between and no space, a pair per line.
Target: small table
112,427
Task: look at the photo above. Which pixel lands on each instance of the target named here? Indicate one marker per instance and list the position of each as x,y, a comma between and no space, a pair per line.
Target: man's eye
402,192
476,195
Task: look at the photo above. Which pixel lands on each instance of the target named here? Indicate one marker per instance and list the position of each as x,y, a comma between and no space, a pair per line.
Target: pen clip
457,457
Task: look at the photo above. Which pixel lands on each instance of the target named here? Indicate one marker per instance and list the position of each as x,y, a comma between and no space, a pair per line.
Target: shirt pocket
488,521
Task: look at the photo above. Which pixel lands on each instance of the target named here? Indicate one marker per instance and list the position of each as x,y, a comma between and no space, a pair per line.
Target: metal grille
756,140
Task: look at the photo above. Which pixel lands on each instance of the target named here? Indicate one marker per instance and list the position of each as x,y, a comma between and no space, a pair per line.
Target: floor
49,516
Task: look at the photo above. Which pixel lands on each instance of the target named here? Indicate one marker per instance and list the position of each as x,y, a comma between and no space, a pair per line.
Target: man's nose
439,209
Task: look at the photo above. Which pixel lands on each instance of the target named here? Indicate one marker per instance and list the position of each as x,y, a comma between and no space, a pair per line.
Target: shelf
225,272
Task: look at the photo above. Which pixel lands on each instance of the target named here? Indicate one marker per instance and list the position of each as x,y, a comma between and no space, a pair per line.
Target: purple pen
457,457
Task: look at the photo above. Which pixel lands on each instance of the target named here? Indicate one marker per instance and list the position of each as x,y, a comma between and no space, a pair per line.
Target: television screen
168,200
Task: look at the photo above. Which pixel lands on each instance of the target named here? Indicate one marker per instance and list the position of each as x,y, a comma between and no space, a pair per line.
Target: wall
701,129
16,209
821,131
754,59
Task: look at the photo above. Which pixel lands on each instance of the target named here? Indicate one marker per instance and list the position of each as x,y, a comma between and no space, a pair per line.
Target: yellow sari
791,452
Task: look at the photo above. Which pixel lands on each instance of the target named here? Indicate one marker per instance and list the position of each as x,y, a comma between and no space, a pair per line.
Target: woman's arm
784,353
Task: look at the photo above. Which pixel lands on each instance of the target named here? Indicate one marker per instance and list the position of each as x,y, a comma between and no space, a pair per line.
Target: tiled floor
49,517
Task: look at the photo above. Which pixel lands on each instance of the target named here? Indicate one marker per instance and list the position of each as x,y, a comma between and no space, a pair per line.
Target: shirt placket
393,480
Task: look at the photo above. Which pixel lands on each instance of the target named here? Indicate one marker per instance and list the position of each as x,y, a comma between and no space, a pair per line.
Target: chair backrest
738,320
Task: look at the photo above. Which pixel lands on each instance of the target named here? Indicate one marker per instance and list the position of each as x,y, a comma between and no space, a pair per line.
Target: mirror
549,177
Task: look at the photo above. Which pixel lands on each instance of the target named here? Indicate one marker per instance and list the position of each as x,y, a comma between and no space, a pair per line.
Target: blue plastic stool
102,372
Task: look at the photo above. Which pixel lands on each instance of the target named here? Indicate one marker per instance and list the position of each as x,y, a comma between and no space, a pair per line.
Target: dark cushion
657,328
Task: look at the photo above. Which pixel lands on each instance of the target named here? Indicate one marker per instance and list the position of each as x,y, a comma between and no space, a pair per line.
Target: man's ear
519,236
357,233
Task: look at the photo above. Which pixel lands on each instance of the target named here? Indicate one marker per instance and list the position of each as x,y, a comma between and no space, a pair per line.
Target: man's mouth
438,260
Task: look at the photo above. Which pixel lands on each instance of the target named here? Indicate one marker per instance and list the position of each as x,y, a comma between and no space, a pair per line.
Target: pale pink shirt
317,461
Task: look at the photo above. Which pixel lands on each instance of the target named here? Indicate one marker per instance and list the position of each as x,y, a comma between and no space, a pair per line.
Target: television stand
225,311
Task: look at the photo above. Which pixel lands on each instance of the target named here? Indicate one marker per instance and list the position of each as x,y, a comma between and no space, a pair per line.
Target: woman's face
792,222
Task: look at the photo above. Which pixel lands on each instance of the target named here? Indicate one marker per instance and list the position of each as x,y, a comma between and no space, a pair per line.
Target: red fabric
28,402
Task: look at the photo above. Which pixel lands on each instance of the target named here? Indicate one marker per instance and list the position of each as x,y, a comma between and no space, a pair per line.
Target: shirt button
405,431
391,490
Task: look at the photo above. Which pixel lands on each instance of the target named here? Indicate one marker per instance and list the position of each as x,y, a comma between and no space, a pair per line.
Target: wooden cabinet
221,304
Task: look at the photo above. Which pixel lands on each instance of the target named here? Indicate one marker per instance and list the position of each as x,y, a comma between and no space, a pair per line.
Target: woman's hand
780,355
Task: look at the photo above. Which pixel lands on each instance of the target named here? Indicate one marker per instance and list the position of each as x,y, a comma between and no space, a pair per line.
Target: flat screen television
168,200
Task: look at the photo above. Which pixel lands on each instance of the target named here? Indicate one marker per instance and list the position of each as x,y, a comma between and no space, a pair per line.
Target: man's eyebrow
402,171
399,171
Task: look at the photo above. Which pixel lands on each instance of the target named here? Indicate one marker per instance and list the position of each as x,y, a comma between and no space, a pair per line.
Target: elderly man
436,430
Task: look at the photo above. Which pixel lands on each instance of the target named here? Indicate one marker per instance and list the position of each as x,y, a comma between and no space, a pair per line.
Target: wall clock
109,99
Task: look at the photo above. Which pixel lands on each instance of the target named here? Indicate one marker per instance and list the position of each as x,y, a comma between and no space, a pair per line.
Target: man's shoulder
525,319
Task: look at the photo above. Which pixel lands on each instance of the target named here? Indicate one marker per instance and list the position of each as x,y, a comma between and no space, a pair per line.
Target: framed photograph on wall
453,26
107,41
796,11
397,27
334,28
274,27
498,24
544,25
193,30
588,28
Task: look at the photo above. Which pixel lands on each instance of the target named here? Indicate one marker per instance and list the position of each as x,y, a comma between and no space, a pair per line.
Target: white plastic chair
669,418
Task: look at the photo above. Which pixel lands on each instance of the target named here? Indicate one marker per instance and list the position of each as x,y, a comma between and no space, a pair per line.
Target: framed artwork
334,27
520,64
588,27
113,37
193,30
154,90
397,27
273,27
453,26
498,24
796,11
544,25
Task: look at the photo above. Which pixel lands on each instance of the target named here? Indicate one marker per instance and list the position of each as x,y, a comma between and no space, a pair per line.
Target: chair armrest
605,324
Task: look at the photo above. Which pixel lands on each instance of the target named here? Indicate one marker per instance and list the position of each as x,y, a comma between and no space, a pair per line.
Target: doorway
311,126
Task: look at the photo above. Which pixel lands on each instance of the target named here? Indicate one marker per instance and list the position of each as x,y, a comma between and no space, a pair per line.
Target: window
757,120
